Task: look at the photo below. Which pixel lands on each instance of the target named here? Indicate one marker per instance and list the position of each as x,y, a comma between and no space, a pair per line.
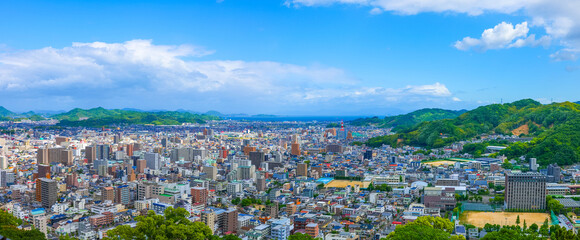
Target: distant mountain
555,128
97,117
409,119
5,112
214,113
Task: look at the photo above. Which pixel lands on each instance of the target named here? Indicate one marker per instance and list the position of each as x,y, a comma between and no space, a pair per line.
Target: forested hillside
555,128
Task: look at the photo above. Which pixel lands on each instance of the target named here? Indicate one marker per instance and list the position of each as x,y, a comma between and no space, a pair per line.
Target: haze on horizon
287,57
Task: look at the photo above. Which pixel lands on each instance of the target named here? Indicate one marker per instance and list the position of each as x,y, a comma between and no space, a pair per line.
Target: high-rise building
141,165
108,193
208,217
48,192
261,184
103,151
90,154
3,162
42,156
257,158
210,172
129,150
525,191
198,195
72,180
295,149
59,140
533,164
153,161
302,169
43,171
122,195
230,225
554,173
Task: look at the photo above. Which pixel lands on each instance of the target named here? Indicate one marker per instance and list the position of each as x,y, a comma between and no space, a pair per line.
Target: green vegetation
98,117
554,205
174,225
409,119
9,228
382,188
246,201
555,128
300,236
477,149
427,227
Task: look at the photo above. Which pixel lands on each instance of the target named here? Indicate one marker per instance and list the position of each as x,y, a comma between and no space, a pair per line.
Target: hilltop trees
174,225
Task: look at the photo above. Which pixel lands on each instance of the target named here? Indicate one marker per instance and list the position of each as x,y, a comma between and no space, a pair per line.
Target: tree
425,227
9,228
518,220
555,206
509,234
231,237
544,229
173,225
300,236
534,227
561,233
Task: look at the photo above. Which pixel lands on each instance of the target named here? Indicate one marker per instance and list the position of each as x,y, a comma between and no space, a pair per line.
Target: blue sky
297,57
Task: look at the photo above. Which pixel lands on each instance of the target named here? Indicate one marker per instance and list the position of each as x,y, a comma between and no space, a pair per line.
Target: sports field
440,163
344,183
479,219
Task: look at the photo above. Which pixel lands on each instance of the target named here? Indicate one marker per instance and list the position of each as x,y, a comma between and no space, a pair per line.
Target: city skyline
298,57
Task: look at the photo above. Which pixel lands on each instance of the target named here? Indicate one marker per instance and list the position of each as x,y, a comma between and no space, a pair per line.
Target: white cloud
145,73
566,54
560,19
503,35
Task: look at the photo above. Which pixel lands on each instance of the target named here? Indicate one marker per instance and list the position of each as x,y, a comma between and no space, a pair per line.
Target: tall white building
153,161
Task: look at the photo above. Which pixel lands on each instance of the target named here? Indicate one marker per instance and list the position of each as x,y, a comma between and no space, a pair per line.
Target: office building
90,154
48,192
210,172
102,151
153,161
302,169
257,158
525,191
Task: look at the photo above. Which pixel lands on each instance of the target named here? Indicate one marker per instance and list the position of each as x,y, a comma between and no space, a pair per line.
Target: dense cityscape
289,119
250,179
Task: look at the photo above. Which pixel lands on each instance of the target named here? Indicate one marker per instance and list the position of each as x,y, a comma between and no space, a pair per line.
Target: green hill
555,128
97,117
409,119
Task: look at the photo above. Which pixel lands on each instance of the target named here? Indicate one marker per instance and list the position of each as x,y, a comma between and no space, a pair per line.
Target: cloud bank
559,19
141,74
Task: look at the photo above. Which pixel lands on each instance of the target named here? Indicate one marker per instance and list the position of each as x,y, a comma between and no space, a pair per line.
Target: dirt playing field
440,163
344,183
479,219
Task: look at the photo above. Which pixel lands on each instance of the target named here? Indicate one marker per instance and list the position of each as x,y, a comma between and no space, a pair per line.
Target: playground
343,183
449,161
479,219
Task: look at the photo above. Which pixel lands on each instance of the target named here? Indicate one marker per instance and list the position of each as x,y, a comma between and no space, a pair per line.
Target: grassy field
479,219
344,183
